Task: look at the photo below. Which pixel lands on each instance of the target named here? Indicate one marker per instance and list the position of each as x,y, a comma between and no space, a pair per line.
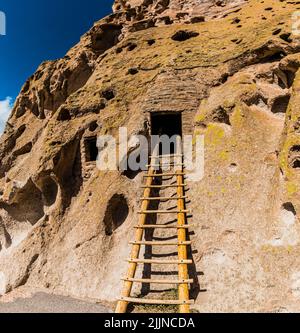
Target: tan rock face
148,13
158,7
65,225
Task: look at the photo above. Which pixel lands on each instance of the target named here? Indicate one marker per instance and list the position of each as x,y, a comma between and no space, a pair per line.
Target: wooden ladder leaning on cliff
183,280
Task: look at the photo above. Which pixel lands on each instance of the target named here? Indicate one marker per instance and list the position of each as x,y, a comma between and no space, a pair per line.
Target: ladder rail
136,248
183,289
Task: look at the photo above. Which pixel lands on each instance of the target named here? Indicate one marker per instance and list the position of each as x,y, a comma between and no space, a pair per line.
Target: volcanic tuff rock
231,67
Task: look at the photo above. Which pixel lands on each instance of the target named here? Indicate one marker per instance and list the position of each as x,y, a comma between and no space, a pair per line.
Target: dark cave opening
116,213
50,191
281,104
169,124
183,35
64,115
91,149
296,164
289,207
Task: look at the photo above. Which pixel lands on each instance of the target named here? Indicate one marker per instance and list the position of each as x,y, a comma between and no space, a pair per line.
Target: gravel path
46,303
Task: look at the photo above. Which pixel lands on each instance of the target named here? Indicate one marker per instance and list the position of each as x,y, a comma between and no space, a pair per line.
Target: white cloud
5,108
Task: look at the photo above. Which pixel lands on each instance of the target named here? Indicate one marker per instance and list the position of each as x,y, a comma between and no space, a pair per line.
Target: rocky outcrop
232,66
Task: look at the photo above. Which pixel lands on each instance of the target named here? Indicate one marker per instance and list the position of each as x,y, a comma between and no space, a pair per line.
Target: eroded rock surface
232,67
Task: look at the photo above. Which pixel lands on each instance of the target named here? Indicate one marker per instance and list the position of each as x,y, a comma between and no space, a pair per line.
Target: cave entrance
116,213
91,149
169,124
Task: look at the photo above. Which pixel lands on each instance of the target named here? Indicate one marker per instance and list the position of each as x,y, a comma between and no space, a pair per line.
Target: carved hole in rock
286,37
106,38
276,56
28,204
289,207
197,19
23,150
288,214
6,237
281,83
183,35
233,167
35,110
294,157
76,172
91,149
133,71
9,145
257,99
119,50
221,116
26,85
280,104
98,109
21,110
131,174
20,131
64,115
131,46
93,126
290,77
295,148
276,32
236,20
285,78
68,170
296,163
168,21
49,190
116,213
297,126
151,42
108,94
166,123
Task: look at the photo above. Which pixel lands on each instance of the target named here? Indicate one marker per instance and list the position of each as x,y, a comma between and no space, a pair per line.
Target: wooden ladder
181,227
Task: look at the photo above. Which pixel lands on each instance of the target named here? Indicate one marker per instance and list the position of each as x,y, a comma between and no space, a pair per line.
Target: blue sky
36,31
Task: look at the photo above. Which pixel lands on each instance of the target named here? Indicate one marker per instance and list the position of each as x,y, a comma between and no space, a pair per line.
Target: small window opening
296,164
91,149
116,213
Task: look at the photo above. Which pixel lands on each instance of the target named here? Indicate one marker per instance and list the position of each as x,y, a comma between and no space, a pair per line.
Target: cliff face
177,9
233,67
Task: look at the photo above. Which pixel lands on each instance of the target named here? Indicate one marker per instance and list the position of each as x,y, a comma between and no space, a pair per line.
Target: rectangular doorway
91,149
169,124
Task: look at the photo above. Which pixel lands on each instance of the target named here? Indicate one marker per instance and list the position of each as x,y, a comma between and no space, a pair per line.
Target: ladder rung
165,175
163,186
158,281
185,211
171,155
155,301
159,243
164,164
162,226
160,262
164,198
